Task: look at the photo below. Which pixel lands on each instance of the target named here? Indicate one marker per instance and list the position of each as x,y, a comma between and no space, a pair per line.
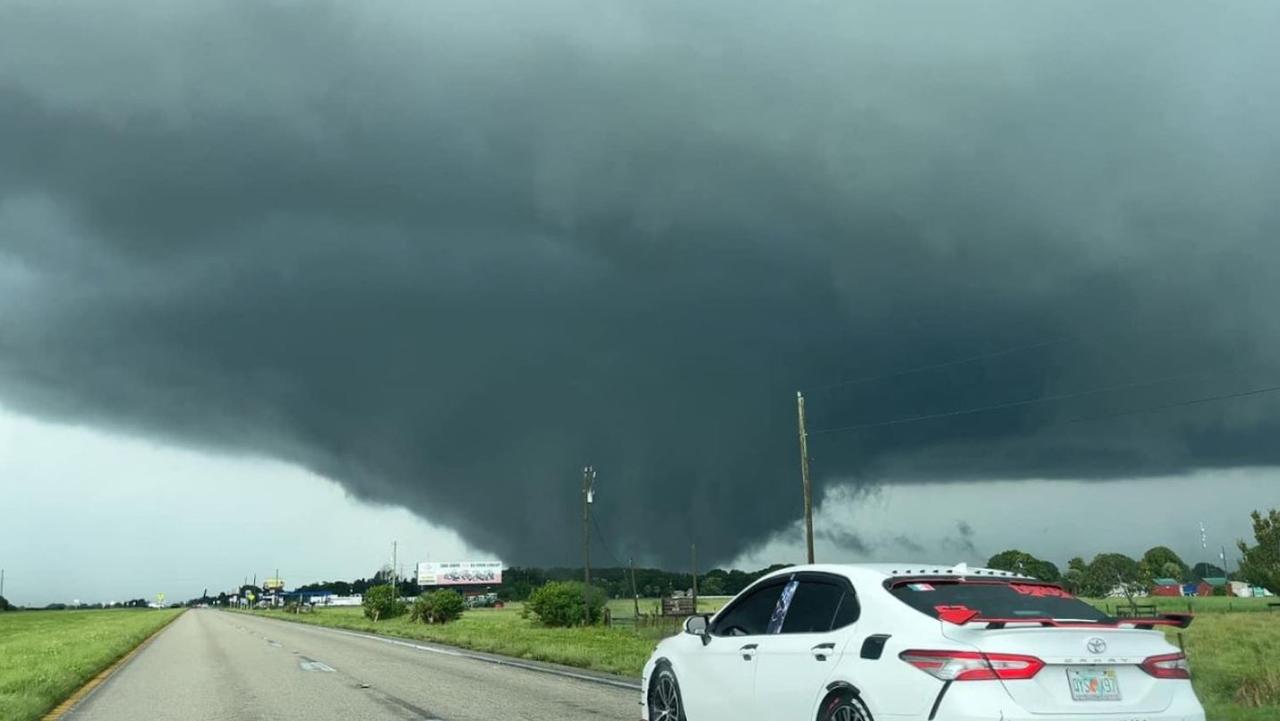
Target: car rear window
997,600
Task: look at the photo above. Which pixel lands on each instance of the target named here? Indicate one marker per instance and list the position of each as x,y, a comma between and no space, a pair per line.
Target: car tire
665,701
844,706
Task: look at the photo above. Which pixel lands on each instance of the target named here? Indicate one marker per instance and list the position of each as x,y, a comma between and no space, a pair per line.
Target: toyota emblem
1096,645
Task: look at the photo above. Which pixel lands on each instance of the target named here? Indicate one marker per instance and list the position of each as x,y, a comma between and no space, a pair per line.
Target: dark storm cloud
963,538
842,538
448,253
907,543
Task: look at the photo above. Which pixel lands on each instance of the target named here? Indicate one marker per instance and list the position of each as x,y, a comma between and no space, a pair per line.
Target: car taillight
970,666
1173,665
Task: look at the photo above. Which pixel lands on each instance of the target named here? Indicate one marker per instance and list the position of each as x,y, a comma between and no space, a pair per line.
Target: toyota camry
916,642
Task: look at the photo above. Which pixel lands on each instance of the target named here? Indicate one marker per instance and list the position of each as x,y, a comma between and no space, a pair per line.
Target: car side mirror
699,626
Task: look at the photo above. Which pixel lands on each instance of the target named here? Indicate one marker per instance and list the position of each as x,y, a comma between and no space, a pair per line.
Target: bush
381,602
437,607
559,603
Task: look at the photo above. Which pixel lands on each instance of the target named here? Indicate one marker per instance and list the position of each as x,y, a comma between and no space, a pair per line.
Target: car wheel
665,703
844,706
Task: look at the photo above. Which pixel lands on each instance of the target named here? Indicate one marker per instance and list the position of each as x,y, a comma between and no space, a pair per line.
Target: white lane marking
315,666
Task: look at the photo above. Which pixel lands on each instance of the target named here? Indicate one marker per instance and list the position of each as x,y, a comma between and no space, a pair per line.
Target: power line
938,366
600,537
1178,404
1005,406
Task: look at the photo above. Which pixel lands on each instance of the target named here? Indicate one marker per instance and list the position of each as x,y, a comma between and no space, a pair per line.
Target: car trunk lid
1087,670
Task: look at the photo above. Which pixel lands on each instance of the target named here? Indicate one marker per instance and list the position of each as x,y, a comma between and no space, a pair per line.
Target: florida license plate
1091,684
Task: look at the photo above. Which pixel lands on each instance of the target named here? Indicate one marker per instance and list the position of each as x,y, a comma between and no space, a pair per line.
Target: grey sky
99,517
446,253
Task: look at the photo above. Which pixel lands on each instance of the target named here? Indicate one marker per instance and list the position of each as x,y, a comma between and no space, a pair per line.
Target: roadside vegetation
45,656
443,606
566,603
1234,664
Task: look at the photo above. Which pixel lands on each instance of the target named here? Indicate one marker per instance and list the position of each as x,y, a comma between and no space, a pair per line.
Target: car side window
749,616
848,611
814,608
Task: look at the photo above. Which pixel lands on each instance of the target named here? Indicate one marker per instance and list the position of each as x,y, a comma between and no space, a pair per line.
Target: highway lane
216,665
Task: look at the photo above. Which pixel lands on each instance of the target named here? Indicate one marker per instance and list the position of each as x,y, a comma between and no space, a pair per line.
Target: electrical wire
600,537
1177,404
944,364
1005,406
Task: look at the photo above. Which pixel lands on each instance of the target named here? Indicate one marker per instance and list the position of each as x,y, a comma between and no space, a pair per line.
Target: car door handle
748,652
822,650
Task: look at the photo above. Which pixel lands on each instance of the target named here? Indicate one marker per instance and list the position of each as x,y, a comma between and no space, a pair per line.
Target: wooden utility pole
693,551
395,582
588,478
804,476
634,596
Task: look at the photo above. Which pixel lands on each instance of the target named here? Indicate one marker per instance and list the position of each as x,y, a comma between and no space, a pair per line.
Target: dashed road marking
310,664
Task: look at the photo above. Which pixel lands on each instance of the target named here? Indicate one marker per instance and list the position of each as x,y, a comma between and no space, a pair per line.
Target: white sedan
912,642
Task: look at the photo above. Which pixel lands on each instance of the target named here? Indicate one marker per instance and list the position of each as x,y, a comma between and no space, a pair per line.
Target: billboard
460,573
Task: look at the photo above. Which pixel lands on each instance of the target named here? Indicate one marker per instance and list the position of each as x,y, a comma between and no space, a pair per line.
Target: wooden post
693,549
587,476
804,476
634,596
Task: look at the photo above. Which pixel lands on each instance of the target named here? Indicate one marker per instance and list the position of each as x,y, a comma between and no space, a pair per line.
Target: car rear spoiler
962,615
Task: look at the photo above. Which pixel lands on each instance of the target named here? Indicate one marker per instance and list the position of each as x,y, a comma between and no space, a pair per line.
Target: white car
912,642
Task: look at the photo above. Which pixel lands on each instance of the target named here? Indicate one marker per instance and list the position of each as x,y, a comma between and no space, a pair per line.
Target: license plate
1091,684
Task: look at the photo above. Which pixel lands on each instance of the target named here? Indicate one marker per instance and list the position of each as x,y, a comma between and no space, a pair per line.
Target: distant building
353,600
1166,587
312,597
1214,587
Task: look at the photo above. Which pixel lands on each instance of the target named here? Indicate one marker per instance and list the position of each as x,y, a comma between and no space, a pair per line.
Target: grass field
1212,604
45,656
1233,645
1235,664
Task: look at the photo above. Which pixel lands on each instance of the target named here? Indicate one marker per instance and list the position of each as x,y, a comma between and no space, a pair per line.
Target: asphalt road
212,665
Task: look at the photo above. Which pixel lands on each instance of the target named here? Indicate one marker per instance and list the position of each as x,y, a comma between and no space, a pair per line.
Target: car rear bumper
982,701
1020,715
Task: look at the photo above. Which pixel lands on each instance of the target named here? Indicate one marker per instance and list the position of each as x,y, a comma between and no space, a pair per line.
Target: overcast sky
425,260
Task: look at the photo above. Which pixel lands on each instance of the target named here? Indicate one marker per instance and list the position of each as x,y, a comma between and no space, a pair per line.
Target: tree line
1111,572
1104,574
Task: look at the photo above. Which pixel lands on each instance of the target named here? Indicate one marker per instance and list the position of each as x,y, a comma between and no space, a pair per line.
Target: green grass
1235,664
1234,650
626,608
45,656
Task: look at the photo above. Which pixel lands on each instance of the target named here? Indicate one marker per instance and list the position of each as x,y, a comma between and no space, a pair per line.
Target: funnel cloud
447,254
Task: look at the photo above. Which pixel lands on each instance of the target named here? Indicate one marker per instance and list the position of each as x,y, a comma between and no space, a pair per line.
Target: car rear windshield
997,600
